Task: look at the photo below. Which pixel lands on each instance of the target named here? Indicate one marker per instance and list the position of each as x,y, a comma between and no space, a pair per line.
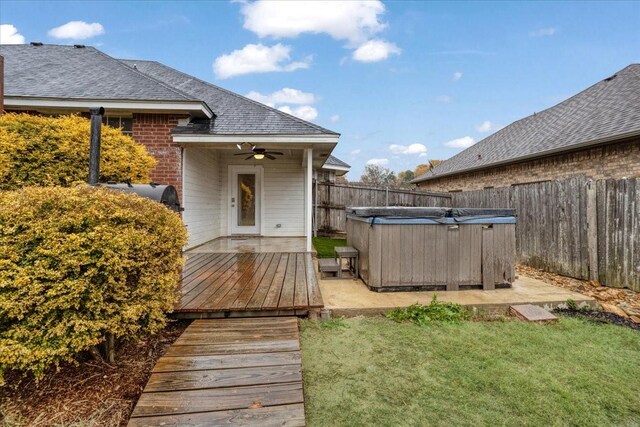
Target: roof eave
534,156
215,139
197,108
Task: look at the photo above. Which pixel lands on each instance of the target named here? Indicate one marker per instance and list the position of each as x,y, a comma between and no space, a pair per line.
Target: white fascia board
336,168
130,105
255,139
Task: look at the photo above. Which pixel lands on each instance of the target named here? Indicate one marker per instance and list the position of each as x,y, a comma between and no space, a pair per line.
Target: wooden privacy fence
576,227
330,201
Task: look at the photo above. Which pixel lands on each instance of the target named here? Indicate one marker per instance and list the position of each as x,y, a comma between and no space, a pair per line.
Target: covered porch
231,190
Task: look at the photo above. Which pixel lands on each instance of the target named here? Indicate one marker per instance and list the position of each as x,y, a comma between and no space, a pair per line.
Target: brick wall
619,160
154,132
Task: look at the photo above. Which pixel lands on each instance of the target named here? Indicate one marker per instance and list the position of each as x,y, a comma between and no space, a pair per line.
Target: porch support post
307,195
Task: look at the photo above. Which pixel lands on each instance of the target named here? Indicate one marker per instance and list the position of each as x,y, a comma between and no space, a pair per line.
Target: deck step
532,313
328,265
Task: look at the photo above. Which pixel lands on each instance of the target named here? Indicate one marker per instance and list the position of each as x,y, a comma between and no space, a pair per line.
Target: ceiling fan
260,153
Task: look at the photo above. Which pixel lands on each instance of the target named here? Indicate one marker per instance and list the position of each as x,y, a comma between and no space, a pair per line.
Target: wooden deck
248,284
227,372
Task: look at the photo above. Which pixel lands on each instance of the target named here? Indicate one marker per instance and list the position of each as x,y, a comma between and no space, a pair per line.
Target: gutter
542,154
111,104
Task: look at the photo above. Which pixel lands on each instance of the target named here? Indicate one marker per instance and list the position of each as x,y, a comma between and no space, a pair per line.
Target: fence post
386,199
592,229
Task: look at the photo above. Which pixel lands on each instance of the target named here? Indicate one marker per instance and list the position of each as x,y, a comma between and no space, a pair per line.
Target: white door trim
231,193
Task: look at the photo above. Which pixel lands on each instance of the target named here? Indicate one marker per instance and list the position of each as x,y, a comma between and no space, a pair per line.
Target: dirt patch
623,303
598,316
91,393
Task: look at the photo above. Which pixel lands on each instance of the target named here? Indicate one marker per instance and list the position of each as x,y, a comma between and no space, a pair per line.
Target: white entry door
245,199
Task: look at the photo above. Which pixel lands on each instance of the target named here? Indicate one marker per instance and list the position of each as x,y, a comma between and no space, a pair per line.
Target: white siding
283,185
201,194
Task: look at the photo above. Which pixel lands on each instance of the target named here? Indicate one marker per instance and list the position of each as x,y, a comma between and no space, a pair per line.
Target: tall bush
78,264
54,151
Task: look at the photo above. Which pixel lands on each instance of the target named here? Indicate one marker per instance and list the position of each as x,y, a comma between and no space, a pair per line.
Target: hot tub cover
398,211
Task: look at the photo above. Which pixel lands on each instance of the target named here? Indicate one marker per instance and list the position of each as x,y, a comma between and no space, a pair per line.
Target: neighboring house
331,169
595,133
193,129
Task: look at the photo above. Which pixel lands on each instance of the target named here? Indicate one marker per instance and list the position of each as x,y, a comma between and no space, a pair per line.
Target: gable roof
606,111
334,162
55,71
235,114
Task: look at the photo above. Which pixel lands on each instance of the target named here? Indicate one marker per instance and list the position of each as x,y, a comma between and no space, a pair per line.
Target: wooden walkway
227,372
248,284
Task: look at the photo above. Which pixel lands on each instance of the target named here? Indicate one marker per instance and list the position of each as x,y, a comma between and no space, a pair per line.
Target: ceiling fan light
239,146
258,156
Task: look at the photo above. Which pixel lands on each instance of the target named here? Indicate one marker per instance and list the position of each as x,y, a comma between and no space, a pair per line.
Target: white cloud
306,112
77,30
464,142
10,35
379,162
543,32
334,118
457,75
356,152
283,96
354,21
487,126
375,50
445,99
257,58
408,149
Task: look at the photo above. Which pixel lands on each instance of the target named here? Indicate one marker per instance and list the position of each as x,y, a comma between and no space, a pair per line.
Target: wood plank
218,285
258,297
249,288
453,257
300,297
226,299
221,323
289,283
235,337
488,281
313,288
194,297
225,361
273,295
204,271
229,348
233,377
217,399
269,416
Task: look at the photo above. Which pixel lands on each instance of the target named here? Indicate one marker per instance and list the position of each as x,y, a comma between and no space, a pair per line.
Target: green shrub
54,151
78,264
436,311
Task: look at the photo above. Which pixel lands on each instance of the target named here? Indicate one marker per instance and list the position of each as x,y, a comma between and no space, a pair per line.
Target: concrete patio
352,298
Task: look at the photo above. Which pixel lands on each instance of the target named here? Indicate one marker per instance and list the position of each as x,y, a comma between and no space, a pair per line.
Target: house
332,168
194,129
595,133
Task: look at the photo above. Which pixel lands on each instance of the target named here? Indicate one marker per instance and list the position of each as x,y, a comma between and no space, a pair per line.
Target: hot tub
405,249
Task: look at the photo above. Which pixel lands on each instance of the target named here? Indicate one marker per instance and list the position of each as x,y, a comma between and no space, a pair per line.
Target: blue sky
401,81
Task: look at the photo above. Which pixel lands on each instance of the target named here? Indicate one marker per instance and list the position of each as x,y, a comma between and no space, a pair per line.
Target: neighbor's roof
68,72
607,111
235,114
334,162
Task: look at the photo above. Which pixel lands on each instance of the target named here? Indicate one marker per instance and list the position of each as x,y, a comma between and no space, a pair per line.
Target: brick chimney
1,84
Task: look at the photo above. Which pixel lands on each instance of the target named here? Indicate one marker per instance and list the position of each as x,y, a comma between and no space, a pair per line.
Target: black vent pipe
94,148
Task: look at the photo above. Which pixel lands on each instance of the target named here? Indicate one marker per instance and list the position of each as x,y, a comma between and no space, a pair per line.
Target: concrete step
532,313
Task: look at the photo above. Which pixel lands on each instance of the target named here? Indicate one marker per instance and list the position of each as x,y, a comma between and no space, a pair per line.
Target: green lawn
324,246
365,372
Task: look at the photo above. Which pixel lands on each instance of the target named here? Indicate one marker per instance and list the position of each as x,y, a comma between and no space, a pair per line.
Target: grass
324,246
362,372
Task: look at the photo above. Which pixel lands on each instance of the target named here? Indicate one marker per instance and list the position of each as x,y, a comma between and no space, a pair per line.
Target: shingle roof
54,71
235,114
608,110
334,161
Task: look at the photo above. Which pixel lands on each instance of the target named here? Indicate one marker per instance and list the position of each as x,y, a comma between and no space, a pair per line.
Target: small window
124,123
